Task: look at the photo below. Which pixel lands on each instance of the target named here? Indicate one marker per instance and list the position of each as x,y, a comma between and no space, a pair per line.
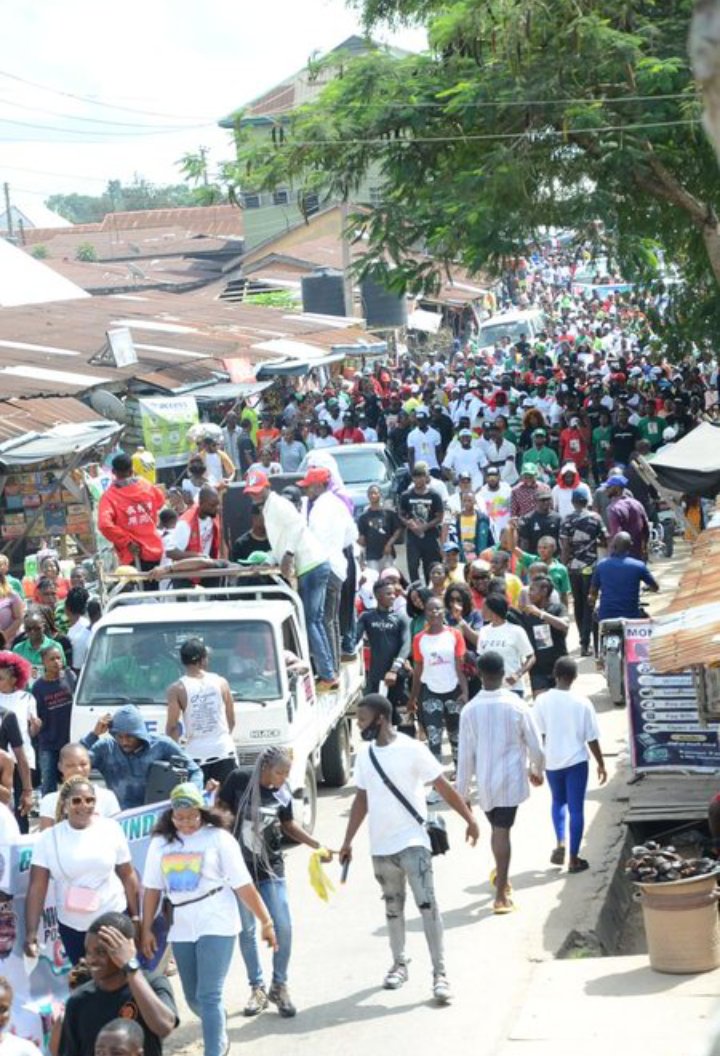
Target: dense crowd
521,498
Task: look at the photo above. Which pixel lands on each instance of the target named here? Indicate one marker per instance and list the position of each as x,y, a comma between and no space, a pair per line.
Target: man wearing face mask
399,843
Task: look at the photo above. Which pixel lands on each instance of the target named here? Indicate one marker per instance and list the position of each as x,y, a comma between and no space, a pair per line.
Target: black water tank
323,292
382,308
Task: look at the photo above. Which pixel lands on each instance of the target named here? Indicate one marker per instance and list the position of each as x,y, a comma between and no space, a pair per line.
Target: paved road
341,952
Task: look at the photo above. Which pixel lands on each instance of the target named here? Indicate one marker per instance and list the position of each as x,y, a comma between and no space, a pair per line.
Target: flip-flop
501,911
558,856
508,885
580,866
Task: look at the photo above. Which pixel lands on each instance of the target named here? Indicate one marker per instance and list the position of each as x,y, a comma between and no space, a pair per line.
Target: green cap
186,794
530,469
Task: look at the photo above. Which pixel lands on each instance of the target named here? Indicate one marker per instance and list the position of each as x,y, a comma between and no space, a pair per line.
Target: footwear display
397,976
257,1002
280,997
441,990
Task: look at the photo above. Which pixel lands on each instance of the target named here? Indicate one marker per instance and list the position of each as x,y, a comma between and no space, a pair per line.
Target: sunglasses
480,575
80,801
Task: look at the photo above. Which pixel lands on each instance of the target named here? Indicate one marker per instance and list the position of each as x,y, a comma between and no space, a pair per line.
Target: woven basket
681,924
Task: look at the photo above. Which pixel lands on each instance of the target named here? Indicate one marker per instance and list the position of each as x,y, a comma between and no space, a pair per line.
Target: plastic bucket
681,924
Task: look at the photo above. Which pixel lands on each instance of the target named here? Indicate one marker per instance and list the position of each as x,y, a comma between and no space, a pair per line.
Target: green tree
524,114
86,252
119,197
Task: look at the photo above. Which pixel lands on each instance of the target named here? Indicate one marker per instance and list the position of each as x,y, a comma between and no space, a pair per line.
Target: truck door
300,678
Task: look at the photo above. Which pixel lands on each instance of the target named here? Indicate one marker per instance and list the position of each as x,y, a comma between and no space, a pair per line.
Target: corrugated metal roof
223,221
687,632
18,417
139,244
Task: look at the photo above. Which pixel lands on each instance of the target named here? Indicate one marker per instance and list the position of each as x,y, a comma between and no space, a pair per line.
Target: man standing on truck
295,547
127,516
197,532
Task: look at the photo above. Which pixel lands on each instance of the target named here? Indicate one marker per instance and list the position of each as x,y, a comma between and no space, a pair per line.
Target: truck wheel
335,756
309,799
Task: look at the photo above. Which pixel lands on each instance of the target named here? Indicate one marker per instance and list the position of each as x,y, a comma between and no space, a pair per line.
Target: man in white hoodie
568,481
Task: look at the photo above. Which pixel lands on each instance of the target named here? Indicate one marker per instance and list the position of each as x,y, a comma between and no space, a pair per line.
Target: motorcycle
611,656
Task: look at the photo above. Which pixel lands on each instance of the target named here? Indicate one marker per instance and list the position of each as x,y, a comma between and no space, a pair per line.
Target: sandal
508,885
500,909
558,856
579,866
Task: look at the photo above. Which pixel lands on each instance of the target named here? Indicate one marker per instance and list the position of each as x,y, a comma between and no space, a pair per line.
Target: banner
41,994
165,424
665,731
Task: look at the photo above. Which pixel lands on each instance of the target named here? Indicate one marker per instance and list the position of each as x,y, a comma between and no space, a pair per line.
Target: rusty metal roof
18,417
222,221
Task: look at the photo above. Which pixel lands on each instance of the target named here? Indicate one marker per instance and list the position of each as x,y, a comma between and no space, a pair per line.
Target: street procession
360,535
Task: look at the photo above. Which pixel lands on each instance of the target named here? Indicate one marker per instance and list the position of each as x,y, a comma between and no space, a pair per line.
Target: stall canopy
58,444
229,390
692,465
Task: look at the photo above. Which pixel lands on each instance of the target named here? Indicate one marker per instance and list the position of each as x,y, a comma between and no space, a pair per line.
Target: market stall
45,498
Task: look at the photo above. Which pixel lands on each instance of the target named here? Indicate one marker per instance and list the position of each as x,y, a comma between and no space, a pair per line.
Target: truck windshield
492,335
361,467
139,663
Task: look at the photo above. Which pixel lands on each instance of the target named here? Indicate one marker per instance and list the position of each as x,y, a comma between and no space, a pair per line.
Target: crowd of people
525,505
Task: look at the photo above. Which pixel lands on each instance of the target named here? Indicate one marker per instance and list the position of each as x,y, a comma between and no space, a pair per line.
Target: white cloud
193,61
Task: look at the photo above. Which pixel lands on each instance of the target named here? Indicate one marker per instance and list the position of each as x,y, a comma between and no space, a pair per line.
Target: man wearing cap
625,514
454,567
294,546
421,513
541,521
424,443
541,455
574,445
464,458
523,498
581,533
334,528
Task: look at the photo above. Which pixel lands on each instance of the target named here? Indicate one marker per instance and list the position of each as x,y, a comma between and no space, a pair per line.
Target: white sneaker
441,990
397,976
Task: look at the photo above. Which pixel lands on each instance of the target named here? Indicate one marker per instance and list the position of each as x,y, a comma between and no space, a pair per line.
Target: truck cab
257,641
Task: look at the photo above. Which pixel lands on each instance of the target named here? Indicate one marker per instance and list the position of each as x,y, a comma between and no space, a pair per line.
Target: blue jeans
274,895
48,762
312,587
203,966
568,797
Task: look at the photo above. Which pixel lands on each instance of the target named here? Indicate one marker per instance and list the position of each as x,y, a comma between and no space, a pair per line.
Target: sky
153,77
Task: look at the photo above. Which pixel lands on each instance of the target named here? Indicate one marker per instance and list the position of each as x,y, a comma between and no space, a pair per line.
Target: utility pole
6,189
346,259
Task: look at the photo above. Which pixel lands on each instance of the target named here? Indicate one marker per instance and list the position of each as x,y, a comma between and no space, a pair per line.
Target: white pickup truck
250,632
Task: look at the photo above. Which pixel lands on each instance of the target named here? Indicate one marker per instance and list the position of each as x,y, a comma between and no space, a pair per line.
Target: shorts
541,682
501,817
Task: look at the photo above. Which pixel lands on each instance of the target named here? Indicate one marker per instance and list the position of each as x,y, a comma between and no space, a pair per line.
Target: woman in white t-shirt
88,859
507,639
74,761
439,687
198,867
15,673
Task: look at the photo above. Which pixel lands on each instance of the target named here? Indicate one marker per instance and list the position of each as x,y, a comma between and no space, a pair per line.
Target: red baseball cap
256,482
317,475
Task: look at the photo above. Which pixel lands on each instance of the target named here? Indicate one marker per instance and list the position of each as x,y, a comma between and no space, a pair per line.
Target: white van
527,322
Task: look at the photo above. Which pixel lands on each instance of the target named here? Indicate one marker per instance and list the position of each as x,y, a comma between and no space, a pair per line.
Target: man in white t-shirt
424,443
569,726
399,842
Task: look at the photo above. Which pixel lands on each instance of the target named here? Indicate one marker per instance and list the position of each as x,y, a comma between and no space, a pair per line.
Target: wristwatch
132,966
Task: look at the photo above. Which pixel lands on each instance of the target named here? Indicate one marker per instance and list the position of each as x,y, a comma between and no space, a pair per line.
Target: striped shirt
498,738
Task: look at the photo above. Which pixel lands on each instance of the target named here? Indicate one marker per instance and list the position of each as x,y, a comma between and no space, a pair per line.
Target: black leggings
438,711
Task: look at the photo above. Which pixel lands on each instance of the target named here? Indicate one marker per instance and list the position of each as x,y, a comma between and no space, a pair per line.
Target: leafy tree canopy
119,197
525,114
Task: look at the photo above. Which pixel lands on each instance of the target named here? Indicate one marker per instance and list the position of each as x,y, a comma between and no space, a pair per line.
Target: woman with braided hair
262,805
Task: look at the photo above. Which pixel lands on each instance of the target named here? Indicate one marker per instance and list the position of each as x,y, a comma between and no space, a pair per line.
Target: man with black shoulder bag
391,775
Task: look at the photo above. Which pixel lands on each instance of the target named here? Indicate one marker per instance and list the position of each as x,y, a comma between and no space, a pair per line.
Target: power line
159,131
78,117
59,175
97,102
472,137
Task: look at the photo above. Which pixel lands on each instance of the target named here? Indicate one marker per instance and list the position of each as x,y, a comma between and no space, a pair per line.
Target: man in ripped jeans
399,844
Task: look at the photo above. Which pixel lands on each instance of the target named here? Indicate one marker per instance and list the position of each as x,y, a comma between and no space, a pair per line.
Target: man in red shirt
349,434
127,516
574,445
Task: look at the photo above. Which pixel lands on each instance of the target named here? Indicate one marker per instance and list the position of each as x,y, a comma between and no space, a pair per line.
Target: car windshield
140,662
492,335
361,467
